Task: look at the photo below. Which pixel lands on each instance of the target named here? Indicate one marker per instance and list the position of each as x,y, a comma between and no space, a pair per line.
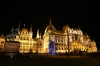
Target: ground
48,60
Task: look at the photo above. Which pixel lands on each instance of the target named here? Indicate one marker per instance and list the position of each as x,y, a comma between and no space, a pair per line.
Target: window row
24,32
60,44
31,46
30,50
2,42
25,38
34,44
61,48
26,43
60,40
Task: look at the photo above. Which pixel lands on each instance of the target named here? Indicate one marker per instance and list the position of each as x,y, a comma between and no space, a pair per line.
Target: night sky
83,14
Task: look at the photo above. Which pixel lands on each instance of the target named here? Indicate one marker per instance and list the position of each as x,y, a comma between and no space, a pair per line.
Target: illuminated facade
69,39
2,40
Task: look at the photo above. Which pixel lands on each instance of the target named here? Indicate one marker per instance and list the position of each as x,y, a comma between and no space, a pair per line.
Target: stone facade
69,39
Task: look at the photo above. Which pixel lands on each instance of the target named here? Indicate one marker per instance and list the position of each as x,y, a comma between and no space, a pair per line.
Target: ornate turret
65,28
86,35
40,36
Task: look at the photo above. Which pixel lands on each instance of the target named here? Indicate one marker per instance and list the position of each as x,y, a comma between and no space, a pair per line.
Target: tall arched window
24,38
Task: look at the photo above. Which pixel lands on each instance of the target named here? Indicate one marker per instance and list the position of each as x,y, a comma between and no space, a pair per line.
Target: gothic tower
37,36
40,36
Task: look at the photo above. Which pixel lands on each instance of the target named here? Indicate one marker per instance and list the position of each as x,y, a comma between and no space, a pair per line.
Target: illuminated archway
76,46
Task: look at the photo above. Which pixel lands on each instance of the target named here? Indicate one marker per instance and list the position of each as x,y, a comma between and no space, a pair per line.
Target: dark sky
83,14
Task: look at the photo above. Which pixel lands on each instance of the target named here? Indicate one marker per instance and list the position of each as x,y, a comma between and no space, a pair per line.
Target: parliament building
67,40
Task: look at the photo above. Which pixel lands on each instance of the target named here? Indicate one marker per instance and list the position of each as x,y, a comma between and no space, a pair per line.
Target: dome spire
24,25
37,36
50,21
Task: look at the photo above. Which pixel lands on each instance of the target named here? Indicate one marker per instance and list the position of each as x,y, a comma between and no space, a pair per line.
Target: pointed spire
37,36
31,25
24,25
40,35
2,35
19,26
31,28
50,21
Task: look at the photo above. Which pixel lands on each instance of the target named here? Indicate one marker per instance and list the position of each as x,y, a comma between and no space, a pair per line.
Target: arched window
40,44
23,38
27,38
56,48
36,44
76,37
30,43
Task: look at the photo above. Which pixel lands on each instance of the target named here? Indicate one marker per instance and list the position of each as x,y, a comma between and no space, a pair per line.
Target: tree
51,47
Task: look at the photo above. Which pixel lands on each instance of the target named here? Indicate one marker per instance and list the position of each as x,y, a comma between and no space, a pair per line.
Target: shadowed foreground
50,61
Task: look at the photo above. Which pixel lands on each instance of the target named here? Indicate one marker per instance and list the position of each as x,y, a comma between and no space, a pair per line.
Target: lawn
50,61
